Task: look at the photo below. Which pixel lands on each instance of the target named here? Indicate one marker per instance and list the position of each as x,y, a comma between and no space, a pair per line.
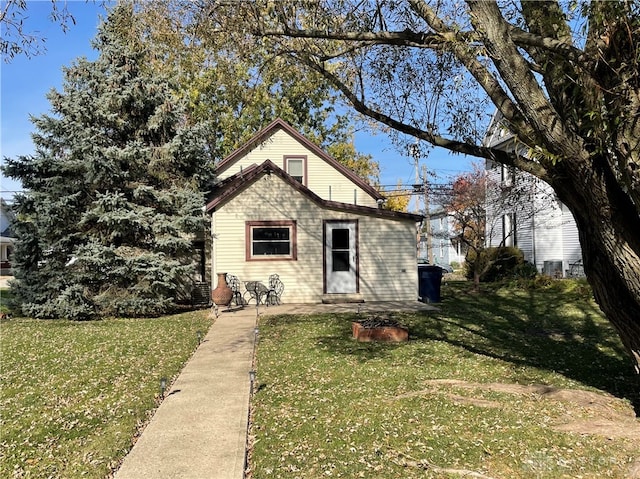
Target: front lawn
463,398
74,394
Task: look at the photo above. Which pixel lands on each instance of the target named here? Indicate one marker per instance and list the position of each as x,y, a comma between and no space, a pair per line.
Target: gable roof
498,135
234,185
270,129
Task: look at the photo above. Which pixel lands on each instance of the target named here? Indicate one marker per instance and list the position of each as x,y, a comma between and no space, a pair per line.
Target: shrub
526,270
494,263
575,288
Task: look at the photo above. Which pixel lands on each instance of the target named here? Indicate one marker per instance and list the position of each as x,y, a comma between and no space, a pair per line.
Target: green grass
5,297
74,394
327,406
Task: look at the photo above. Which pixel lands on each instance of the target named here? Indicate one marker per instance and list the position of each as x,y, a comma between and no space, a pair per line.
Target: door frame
325,276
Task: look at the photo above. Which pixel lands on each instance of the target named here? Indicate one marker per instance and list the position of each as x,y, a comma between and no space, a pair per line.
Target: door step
342,298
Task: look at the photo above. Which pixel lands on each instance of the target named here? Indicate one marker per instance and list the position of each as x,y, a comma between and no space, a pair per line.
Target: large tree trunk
591,184
608,226
619,304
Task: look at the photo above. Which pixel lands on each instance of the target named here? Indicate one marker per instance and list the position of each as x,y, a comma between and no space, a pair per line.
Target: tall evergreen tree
112,202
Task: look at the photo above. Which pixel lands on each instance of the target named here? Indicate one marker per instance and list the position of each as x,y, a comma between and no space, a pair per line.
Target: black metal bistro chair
234,283
276,287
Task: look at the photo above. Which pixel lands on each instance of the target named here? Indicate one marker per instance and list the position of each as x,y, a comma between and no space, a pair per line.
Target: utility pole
416,185
427,214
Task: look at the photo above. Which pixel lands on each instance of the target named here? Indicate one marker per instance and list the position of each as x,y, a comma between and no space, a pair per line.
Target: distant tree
344,151
398,200
466,206
112,199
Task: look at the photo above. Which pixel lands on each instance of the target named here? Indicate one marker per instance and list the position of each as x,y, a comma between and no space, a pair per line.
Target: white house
284,206
541,226
6,239
445,247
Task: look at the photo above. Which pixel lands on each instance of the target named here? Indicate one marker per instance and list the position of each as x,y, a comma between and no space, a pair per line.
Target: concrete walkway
199,430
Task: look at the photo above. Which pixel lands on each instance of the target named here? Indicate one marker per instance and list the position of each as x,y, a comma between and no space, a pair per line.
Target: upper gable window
296,166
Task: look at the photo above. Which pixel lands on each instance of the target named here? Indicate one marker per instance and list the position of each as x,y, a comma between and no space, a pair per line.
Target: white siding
548,235
524,236
387,262
548,231
494,231
552,234
571,240
5,215
322,178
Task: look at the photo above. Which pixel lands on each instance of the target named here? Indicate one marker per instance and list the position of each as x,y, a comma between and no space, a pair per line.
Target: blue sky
25,83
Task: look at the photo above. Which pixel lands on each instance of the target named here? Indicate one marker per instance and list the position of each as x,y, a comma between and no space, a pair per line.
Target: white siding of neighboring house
387,262
443,249
547,235
5,215
6,243
495,233
571,241
322,178
524,237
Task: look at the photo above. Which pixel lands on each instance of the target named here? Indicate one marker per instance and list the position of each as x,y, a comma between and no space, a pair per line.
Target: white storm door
341,258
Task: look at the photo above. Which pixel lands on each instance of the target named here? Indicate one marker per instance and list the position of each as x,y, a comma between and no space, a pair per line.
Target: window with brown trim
296,166
271,240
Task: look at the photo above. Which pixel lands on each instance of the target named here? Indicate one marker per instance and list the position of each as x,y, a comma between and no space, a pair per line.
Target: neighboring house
445,249
283,206
6,238
541,226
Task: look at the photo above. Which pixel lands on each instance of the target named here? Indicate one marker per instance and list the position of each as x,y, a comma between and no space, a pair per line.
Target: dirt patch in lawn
608,416
587,412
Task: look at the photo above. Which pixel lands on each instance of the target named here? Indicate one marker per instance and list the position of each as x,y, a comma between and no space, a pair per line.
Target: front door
341,257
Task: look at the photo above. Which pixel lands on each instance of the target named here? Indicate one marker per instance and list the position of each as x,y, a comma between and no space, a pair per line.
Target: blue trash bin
429,279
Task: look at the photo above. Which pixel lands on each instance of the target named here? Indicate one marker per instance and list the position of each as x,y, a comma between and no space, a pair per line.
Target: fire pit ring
378,329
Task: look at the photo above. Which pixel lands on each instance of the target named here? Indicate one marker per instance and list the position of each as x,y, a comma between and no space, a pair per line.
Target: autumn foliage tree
397,199
465,205
477,204
234,85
